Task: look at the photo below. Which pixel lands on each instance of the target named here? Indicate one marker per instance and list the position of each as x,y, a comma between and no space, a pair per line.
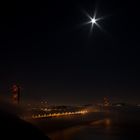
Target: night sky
45,48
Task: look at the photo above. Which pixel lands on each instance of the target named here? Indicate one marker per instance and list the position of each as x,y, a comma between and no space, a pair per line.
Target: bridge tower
106,102
15,94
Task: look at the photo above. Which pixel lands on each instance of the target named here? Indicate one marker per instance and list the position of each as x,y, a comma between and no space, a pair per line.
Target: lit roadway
39,116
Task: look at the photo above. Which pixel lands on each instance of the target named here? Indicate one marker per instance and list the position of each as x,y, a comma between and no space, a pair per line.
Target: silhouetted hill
11,127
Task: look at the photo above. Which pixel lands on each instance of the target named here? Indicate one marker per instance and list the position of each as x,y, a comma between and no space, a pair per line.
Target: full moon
93,21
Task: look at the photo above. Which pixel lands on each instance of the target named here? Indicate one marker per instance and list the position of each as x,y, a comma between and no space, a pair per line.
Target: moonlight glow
93,20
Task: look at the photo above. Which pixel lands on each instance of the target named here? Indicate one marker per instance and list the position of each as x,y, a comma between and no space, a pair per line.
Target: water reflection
106,122
66,134
104,129
73,132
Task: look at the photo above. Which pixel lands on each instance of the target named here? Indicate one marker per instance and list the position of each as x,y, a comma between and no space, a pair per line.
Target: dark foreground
12,127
